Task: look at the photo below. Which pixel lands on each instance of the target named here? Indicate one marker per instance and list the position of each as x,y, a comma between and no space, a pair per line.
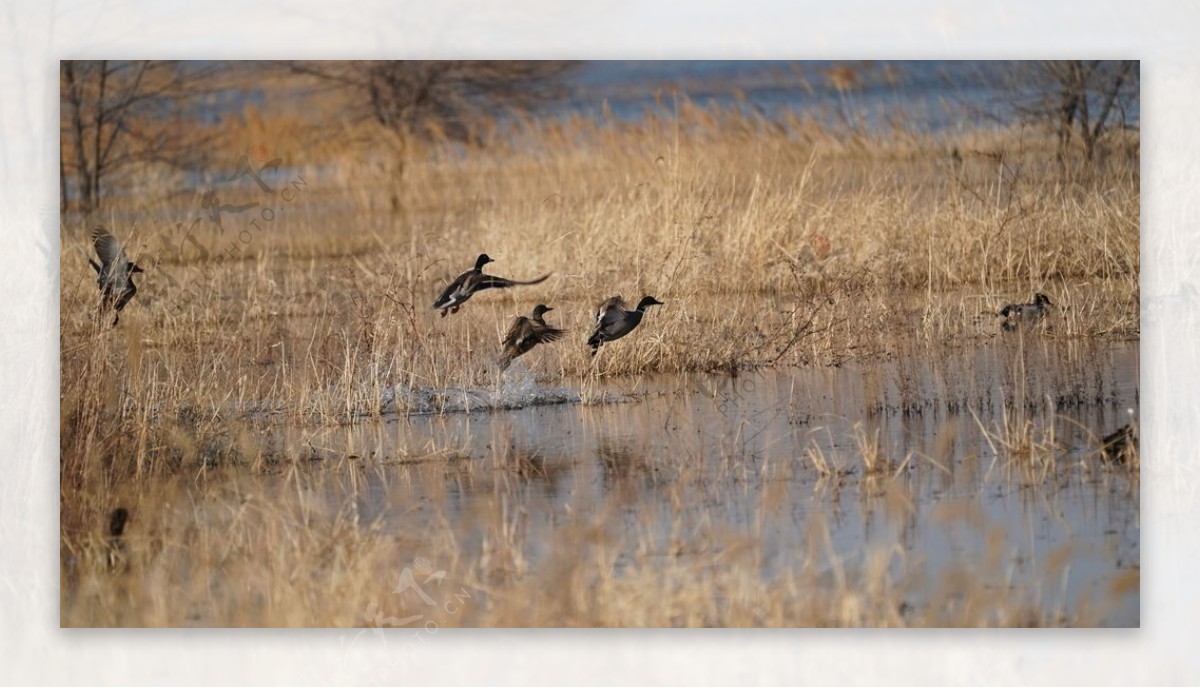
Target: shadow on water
988,455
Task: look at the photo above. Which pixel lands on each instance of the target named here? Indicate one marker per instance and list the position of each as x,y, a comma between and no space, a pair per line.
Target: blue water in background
936,93
921,95
925,95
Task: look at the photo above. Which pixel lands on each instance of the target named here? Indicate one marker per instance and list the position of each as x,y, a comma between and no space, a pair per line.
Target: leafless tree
115,114
453,95
1084,97
451,99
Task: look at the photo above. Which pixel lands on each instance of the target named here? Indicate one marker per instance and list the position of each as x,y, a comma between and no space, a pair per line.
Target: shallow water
688,455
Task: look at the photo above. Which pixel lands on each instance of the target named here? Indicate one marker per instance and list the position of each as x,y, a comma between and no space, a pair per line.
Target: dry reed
771,245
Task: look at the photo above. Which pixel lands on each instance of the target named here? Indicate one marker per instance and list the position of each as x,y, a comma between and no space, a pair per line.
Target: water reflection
908,468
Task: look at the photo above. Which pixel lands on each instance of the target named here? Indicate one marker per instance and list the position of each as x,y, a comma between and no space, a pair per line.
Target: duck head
482,260
540,310
1041,299
648,301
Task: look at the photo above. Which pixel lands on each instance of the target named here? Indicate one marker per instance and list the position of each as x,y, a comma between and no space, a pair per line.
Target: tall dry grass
770,243
770,246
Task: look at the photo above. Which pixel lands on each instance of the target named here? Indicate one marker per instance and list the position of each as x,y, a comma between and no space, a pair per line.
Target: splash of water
516,388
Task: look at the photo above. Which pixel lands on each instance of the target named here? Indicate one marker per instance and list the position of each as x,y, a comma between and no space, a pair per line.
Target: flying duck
613,321
527,333
115,271
471,281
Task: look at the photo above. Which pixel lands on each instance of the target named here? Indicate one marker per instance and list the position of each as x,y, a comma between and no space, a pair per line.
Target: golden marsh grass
771,246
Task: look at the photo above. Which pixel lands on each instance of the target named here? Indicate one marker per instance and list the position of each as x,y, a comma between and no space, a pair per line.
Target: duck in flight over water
467,284
527,333
613,321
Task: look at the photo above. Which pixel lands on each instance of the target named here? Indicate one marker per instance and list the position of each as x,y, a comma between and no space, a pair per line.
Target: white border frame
35,35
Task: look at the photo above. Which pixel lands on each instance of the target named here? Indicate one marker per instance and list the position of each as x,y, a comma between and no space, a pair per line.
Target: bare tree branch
456,96
1064,94
428,99
118,114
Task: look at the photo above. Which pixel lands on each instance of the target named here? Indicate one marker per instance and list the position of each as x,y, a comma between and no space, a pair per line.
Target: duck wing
546,334
114,264
114,271
517,332
608,315
457,289
609,312
107,246
493,282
